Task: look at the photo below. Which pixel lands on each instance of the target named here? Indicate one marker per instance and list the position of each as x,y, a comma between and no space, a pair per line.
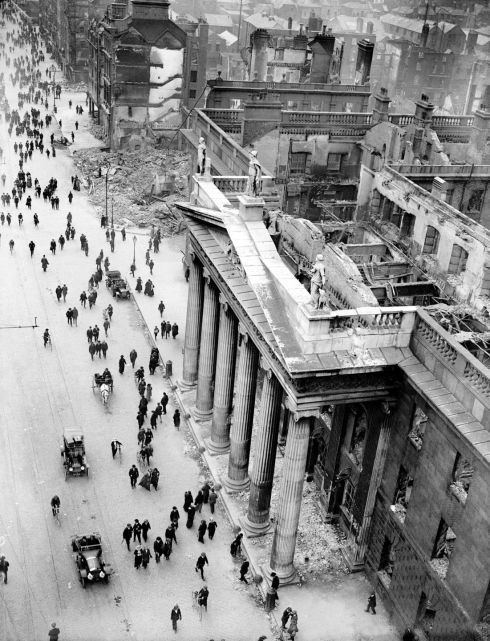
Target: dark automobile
88,557
73,453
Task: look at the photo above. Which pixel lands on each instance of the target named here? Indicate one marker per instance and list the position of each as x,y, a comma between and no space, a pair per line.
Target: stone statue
201,156
254,184
317,280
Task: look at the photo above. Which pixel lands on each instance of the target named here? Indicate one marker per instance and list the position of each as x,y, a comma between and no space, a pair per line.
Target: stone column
193,323
243,413
207,351
225,378
284,542
262,475
384,413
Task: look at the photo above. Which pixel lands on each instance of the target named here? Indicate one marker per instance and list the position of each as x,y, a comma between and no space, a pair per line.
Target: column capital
207,276
192,256
264,365
299,413
223,302
243,333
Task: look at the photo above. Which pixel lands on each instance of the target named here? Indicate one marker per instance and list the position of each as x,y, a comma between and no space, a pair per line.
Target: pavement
46,391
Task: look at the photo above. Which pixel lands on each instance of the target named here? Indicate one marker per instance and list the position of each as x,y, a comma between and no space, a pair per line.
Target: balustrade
231,184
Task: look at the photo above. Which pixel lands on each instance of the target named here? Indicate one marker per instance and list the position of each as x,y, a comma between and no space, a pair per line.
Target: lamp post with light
134,250
53,70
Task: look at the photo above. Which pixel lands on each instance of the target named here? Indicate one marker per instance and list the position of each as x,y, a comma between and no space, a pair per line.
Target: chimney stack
365,49
381,106
258,62
425,35
322,47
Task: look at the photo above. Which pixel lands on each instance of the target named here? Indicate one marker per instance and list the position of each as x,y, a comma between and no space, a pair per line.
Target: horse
105,392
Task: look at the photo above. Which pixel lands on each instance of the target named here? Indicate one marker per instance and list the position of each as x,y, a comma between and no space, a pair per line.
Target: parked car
88,557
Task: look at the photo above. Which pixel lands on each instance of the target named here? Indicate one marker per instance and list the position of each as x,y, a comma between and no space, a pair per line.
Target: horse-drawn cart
104,383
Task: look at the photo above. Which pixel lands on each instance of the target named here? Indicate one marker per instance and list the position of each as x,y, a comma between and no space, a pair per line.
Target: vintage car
116,283
88,557
73,453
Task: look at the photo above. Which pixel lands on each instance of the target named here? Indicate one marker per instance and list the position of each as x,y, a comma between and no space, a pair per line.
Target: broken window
386,562
298,163
333,162
431,243
461,478
425,615
356,447
417,431
443,548
348,500
402,495
457,262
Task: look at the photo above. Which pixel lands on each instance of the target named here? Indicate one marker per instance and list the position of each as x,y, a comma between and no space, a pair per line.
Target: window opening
443,548
417,431
461,478
402,495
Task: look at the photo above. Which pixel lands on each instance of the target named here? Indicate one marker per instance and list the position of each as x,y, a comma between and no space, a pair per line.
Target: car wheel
83,582
106,578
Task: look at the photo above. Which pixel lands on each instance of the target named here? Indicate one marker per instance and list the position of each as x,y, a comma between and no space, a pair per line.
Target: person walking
158,549
74,313
155,476
154,419
32,246
205,492
106,325
202,560
371,604
161,308
141,436
188,500
156,331
202,597
285,617
137,530
69,316
145,527
293,626
164,402
138,557
212,525
132,357
201,530
191,510
213,497
151,264
104,347
176,418
133,475
122,364
198,501
243,571
44,263
92,348
54,632
64,291
175,330
90,334
127,534
175,615
174,517
170,533
58,293
168,329
83,299
146,556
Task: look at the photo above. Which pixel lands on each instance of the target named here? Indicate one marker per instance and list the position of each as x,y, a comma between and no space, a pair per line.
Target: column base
235,486
200,416
355,565
255,529
215,449
289,577
186,387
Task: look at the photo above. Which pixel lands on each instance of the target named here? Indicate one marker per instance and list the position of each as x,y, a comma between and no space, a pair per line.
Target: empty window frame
431,243
443,548
298,163
457,262
461,477
402,495
417,429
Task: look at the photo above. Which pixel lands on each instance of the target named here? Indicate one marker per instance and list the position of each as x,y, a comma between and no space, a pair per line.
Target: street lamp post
53,70
106,179
112,213
134,250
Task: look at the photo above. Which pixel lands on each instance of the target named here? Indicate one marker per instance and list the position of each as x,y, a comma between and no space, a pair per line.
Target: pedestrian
104,347
236,545
371,604
123,233
133,475
74,313
188,500
58,293
153,420
168,329
161,308
137,530
201,530
202,597
175,330
293,626
148,392
174,517
132,269
170,533
158,548
274,577
175,615
143,406
200,563
198,501
69,316
54,632
110,311
147,256
122,364
132,357
156,331
127,534
159,411
243,571
76,125
151,264
83,299
167,549
164,402
92,348
115,446
285,617
155,475
145,527
90,334
138,557
142,387
52,246
106,325
205,492
44,263
212,525
213,497
4,568
176,418
64,290
191,510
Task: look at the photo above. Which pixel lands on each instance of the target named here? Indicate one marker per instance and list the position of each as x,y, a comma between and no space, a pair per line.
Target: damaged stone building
143,67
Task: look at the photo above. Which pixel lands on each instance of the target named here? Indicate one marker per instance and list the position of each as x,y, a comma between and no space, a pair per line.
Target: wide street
44,391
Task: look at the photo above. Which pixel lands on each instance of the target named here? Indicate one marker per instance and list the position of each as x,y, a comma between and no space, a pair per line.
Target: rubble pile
129,185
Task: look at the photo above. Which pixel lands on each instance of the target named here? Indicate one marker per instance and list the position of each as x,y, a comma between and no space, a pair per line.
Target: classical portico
251,323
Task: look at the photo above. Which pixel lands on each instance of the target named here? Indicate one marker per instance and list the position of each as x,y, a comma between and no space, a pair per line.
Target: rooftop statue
254,184
317,280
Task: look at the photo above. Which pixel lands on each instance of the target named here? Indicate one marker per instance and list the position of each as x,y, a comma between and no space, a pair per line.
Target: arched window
457,262
431,243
